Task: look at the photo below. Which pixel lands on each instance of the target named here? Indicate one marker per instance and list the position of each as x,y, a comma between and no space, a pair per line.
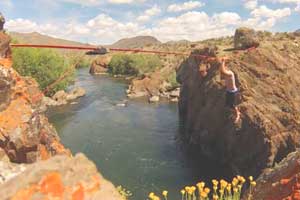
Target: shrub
45,66
172,79
133,64
79,61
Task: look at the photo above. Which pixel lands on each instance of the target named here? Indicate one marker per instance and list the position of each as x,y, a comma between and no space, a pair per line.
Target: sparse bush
45,66
79,61
133,64
173,80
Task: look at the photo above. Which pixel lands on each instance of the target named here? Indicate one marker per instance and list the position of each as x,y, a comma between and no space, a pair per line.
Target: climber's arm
223,68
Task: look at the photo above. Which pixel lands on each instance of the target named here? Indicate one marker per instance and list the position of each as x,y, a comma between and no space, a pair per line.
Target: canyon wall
269,80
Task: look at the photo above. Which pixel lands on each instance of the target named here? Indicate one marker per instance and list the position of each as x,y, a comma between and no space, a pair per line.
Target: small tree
45,66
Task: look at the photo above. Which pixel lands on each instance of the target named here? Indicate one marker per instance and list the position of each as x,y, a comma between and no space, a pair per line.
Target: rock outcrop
245,38
280,182
62,98
268,78
25,133
100,65
60,177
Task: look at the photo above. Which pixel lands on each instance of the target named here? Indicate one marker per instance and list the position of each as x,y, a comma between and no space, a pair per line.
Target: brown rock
270,107
61,176
245,38
100,65
278,183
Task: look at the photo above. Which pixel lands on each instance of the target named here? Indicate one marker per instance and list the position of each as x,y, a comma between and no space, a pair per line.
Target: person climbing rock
232,92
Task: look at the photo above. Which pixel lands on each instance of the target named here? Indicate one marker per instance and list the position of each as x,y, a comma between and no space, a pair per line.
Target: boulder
60,97
154,99
76,93
100,65
175,93
60,177
245,38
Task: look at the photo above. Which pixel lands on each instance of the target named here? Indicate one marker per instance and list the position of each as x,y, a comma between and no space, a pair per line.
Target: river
133,146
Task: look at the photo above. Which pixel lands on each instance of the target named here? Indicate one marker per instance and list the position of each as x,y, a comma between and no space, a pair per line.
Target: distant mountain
37,38
297,31
136,42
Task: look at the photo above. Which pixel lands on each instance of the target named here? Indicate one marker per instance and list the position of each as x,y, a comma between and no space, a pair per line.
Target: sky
106,21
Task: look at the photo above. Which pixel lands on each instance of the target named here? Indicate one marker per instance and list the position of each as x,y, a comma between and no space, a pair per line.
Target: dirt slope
269,81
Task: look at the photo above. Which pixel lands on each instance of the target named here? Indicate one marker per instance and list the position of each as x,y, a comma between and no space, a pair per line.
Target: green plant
172,79
45,66
79,61
133,64
125,194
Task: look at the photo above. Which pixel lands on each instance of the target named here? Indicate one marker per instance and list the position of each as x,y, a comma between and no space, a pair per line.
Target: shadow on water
133,146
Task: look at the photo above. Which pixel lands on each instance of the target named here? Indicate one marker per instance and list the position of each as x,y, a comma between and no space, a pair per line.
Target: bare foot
238,117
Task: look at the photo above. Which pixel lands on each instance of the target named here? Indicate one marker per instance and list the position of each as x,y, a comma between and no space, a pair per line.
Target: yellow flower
243,180
235,181
193,188
182,192
240,187
235,190
251,178
215,197
187,188
151,195
215,188
228,188
221,191
223,183
215,182
165,193
207,190
203,194
253,183
156,198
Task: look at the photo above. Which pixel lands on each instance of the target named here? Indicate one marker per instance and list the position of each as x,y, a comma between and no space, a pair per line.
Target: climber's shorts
232,98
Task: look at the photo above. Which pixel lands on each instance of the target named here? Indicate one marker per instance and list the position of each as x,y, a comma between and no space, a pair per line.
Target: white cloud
6,3
125,1
185,6
298,7
250,4
192,25
155,10
264,11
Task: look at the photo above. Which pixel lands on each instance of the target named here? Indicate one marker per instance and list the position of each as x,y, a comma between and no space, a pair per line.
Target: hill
136,42
37,38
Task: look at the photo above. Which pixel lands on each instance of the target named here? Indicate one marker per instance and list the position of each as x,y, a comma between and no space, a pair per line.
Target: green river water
133,146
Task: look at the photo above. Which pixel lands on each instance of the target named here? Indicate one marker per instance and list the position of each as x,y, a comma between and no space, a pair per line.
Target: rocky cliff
26,137
280,182
268,79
